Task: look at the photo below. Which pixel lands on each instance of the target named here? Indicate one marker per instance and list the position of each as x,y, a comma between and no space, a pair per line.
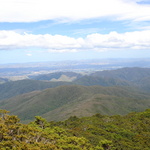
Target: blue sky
46,30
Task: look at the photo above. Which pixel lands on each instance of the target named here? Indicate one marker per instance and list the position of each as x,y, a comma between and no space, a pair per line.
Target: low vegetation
99,132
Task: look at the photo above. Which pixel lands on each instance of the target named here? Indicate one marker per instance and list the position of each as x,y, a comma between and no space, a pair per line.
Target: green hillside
138,78
14,88
144,84
64,101
124,90
134,77
103,81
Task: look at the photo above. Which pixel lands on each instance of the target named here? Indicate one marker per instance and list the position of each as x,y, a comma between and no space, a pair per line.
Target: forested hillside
107,92
14,88
99,132
64,101
129,74
135,78
103,81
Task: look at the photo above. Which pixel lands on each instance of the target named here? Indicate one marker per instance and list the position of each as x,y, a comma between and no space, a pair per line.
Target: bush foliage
99,132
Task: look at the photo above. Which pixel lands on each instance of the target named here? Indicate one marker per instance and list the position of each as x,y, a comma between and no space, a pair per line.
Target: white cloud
71,10
100,42
29,54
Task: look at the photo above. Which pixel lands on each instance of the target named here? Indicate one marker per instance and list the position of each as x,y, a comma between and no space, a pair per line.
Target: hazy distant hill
121,77
134,77
64,101
139,77
130,74
13,88
58,76
3,80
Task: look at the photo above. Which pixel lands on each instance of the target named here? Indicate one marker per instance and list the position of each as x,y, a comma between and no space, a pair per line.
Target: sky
58,30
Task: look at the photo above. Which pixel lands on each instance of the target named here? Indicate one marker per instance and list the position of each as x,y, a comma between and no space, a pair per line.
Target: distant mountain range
107,92
130,74
135,77
31,69
130,77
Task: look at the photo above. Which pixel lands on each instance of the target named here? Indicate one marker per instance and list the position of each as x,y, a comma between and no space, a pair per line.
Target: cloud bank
72,10
11,40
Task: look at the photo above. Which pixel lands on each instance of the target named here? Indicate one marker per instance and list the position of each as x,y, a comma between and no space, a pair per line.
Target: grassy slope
62,102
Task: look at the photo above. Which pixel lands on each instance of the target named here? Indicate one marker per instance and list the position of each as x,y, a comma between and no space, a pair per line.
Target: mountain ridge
70,97
117,93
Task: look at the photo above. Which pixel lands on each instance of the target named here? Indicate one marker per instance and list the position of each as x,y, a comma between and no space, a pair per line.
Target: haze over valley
20,71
